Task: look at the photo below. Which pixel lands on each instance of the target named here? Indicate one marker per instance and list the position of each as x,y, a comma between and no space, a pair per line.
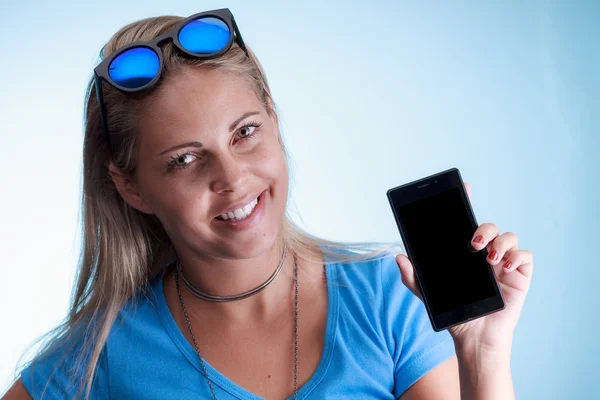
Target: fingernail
478,239
493,255
507,265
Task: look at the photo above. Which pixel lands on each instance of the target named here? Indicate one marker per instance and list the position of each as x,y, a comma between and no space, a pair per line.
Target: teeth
240,213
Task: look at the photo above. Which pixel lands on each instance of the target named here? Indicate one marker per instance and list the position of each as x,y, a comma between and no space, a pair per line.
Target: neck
220,277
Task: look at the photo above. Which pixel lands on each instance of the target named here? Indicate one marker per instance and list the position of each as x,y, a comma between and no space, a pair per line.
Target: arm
483,346
440,383
484,374
17,392
472,375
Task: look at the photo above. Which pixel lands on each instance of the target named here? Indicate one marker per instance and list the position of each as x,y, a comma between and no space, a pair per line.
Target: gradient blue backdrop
371,95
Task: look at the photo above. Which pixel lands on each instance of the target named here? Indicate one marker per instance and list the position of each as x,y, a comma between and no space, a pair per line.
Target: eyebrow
198,145
181,146
240,119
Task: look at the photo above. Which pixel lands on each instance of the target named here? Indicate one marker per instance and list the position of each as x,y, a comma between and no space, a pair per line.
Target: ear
128,190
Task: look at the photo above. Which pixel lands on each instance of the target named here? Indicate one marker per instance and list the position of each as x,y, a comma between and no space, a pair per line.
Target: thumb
408,275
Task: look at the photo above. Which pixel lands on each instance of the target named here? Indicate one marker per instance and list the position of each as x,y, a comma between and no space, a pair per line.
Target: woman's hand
513,269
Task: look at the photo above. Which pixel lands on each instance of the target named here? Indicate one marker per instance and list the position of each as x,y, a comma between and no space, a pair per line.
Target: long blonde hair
122,248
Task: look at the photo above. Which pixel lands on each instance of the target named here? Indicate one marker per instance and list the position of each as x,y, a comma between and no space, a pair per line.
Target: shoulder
380,303
138,329
375,280
371,294
139,314
59,371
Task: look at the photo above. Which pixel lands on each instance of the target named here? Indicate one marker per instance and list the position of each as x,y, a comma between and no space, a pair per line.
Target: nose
229,174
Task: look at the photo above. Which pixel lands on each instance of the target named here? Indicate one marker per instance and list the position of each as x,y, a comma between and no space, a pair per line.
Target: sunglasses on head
138,66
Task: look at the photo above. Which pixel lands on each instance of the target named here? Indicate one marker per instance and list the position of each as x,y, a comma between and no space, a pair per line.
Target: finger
501,247
521,260
518,270
468,190
407,273
483,235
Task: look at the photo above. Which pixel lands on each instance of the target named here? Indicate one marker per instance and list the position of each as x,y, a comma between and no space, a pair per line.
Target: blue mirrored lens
204,36
134,68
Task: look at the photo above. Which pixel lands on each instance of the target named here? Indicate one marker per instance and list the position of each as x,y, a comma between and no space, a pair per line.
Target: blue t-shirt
378,342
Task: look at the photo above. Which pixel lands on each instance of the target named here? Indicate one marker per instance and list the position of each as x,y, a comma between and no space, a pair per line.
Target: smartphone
437,223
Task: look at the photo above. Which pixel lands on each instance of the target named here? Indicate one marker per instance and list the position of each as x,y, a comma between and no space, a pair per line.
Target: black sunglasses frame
101,71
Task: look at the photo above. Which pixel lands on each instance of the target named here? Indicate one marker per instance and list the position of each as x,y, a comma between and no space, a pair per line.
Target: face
209,151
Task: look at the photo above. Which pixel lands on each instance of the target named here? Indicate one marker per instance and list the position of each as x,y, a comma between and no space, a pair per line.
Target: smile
239,213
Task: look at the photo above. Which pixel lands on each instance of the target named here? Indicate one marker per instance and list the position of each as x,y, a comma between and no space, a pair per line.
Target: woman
194,283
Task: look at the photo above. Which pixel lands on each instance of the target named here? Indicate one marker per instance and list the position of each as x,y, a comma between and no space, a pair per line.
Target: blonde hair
123,249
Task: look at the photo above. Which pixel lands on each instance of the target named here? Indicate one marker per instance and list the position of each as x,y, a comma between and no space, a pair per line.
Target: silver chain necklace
238,297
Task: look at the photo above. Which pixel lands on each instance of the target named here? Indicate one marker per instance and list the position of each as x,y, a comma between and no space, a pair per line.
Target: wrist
484,372
482,352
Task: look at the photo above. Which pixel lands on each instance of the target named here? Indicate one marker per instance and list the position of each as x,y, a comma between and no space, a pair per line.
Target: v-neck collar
225,383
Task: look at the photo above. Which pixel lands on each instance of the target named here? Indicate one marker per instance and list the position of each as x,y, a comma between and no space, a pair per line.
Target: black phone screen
438,232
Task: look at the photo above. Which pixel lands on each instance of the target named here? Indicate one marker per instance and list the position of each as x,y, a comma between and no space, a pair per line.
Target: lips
235,226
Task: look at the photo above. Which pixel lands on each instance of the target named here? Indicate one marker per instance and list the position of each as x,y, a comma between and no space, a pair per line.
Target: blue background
371,95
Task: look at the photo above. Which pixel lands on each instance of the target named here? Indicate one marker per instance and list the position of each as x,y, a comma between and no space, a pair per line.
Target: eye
247,130
180,161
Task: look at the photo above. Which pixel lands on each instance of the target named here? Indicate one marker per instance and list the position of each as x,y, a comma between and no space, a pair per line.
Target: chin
255,244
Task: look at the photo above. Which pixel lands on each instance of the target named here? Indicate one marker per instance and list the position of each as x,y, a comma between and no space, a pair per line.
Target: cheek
272,163
173,202
183,218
